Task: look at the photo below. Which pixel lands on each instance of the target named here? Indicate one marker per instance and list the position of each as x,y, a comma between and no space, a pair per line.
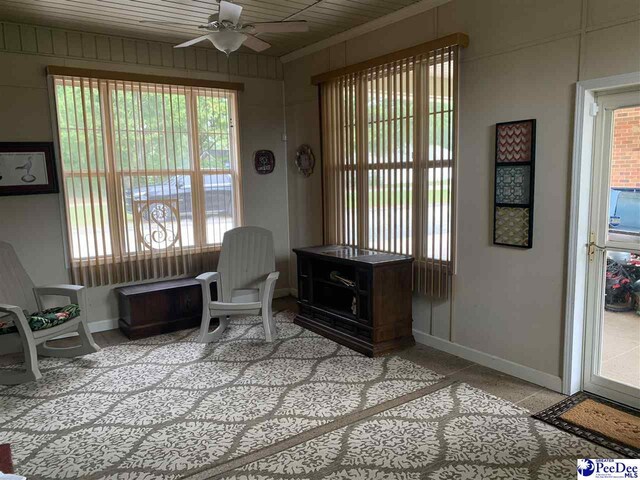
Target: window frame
435,107
114,177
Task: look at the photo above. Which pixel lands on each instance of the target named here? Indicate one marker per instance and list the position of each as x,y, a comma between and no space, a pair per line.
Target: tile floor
621,347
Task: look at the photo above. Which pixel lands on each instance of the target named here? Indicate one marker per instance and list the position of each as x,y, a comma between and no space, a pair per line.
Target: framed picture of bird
27,168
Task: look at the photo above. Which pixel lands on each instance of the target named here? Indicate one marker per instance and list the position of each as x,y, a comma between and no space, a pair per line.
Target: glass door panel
612,347
620,348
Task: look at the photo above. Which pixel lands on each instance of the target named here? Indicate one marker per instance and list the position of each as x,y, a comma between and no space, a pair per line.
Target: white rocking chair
17,296
245,282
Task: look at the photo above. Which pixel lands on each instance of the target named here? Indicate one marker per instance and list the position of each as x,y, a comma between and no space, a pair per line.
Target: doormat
601,421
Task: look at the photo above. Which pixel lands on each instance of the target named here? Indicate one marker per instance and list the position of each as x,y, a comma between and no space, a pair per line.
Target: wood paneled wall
33,39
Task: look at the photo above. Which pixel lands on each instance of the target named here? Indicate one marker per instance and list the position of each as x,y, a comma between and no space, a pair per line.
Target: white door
612,334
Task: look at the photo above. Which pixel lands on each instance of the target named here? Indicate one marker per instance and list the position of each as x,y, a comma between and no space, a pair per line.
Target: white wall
523,60
33,223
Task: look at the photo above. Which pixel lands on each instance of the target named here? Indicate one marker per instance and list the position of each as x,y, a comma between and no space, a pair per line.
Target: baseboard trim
11,345
97,327
103,325
281,292
505,366
112,323
7,347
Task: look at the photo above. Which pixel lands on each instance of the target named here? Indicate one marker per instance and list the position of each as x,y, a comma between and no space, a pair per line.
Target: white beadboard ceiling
122,17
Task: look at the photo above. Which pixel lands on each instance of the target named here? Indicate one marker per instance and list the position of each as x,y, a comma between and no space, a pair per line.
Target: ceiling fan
227,33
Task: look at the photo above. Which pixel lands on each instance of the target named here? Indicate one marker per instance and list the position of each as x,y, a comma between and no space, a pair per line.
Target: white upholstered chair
19,299
245,282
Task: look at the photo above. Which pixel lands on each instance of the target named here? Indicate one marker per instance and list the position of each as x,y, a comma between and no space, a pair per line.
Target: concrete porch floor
621,347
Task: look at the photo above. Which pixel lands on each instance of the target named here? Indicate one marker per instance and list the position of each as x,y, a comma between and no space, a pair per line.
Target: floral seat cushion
48,318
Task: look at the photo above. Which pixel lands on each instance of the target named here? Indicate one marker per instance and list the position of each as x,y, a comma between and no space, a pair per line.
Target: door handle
593,246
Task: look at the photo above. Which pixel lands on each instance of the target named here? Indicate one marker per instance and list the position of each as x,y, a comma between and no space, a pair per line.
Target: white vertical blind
151,176
389,151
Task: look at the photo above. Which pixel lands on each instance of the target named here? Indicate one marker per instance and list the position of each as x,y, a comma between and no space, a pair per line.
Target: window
151,176
389,161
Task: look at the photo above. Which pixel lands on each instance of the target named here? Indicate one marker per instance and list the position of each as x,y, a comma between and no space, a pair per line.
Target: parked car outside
624,211
218,194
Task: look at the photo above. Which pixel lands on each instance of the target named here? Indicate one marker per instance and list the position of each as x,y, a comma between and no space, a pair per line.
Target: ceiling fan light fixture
228,34
227,41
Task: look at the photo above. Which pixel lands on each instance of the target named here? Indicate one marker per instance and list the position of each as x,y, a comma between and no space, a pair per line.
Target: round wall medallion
305,160
264,161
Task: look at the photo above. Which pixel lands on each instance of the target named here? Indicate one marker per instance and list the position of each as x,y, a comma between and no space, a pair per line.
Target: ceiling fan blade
229,12
278,27
255,43
192,42
159,22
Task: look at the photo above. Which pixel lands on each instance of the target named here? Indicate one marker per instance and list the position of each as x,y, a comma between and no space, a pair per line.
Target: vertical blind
389,161
151,176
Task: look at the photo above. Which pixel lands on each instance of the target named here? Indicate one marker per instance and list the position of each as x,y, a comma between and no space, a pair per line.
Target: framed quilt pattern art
514,183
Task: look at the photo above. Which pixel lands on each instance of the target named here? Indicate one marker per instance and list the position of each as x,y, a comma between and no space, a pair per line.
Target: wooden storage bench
153,308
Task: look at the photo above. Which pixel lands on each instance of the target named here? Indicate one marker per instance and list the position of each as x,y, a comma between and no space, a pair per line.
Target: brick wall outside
625,168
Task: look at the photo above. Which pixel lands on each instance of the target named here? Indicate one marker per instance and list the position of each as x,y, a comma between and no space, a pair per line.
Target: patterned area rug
166,406
458,432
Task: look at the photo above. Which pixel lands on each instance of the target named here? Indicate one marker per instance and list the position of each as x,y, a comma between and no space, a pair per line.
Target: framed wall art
27,168
514,182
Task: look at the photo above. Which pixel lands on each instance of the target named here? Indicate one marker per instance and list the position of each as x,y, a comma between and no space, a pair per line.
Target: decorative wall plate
305,160
264,161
